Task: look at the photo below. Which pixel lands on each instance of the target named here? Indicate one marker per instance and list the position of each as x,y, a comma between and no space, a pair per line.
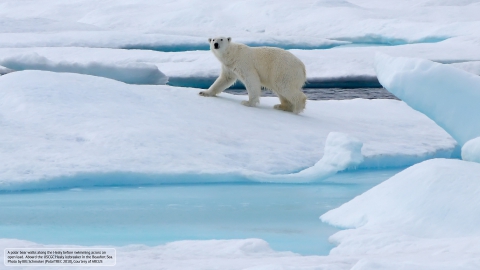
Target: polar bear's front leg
224,81
254,89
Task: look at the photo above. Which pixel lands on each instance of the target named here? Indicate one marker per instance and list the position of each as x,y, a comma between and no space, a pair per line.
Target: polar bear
268,67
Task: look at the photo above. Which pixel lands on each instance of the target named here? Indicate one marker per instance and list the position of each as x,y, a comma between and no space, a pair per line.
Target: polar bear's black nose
216,45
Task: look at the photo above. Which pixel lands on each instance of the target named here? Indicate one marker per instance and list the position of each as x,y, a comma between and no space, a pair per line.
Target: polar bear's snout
219,44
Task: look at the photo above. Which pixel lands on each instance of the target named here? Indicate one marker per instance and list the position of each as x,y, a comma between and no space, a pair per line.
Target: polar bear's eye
221,39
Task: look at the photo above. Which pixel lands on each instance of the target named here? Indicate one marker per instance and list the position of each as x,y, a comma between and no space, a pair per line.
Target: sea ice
4,70
447,95
80,127
349,66
359,21
357,29
421,200
471,150
341,152
427,213
133,72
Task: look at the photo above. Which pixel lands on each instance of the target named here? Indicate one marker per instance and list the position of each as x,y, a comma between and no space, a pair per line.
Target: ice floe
471,150
423,217
60,124
446,94
133,72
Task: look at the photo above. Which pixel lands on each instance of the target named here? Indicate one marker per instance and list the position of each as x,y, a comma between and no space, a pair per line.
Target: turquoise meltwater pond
285,215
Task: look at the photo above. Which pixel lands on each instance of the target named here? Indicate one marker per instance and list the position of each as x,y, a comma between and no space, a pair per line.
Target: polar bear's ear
209,40
229,39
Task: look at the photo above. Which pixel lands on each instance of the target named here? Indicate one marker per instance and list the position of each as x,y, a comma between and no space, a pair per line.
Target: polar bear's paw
206,94
283,107
249,103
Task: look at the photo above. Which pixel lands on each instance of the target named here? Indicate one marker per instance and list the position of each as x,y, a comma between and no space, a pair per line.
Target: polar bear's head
219,44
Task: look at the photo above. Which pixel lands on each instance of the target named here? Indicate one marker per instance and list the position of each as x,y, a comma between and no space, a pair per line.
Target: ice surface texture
433,208
429,209
133,73
64,125
348,65
471,150
359,21
4,70
447,95
341,152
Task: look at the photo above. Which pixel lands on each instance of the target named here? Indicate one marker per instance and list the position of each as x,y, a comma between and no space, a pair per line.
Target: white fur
268,67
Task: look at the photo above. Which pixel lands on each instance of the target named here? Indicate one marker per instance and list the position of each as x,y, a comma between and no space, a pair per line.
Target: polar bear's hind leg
284,105
291,101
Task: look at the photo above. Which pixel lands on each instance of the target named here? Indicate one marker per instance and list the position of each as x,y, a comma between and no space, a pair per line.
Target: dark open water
331,93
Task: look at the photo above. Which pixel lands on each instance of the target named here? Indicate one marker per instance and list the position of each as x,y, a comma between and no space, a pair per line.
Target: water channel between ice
285,215
331,93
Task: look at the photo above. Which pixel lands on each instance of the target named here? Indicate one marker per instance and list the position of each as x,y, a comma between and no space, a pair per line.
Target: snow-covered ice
471,150
110,127
341,152
361,21
157,42
4,70
431,209
424,217
446,94
133,73
200,68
